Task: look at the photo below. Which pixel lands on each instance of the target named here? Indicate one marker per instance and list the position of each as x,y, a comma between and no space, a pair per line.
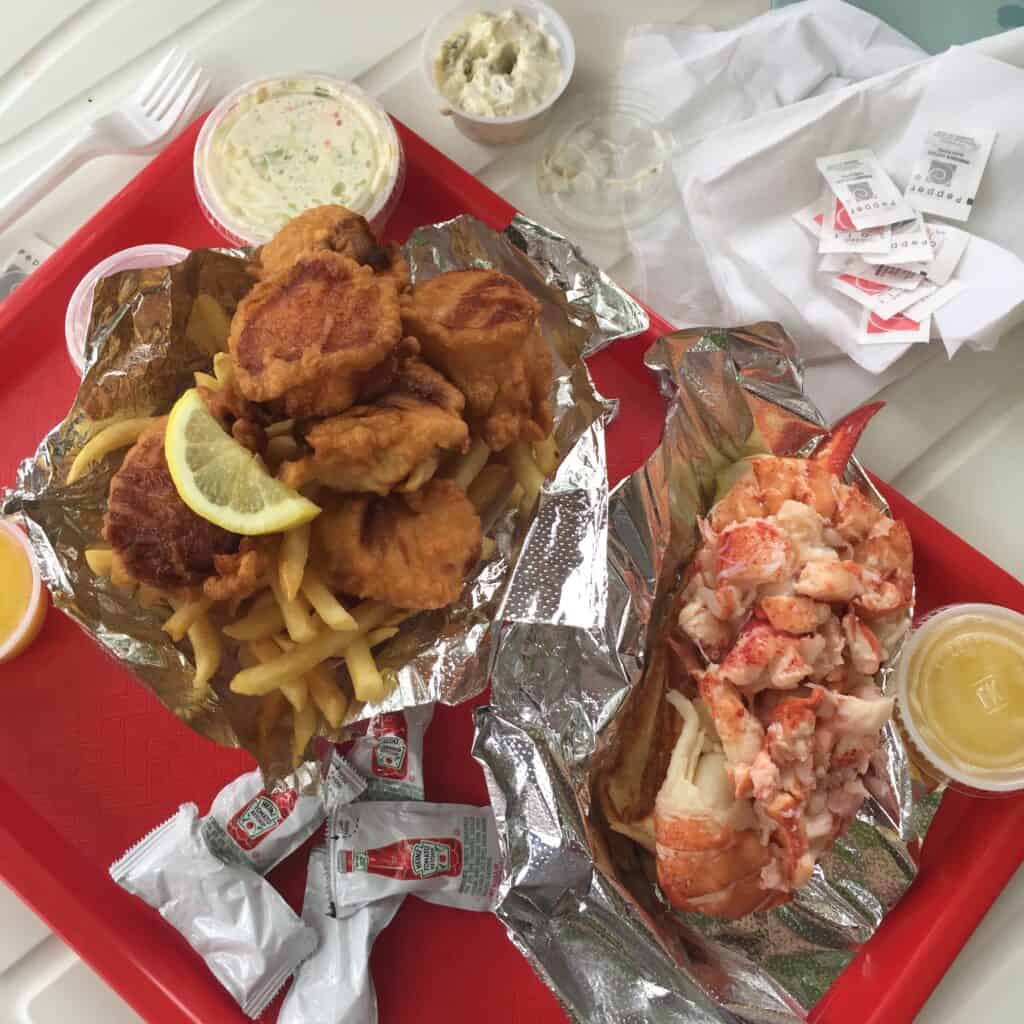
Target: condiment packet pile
878,249
205,875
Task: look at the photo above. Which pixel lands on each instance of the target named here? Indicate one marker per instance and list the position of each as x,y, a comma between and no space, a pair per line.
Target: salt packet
443,853
255,828
883,299
389,754
859,181
249,937
947,174
334,985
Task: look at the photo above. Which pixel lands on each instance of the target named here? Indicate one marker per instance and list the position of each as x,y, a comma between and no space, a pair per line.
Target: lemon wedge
224,482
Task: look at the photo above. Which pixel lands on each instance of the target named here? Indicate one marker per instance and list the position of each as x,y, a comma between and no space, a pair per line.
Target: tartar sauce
498,65
289,144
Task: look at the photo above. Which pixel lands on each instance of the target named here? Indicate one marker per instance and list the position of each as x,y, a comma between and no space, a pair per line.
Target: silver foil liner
579,900
140,358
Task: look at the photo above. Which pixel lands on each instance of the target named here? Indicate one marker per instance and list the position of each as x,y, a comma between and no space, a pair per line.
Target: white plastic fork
167,98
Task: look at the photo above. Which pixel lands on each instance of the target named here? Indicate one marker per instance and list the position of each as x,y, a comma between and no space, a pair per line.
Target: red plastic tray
89,761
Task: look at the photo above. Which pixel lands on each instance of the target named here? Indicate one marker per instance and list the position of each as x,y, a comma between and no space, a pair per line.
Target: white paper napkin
730,250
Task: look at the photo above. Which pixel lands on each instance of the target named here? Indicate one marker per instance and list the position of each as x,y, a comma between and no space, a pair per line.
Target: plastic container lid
499,130
606,163
76,320
989,689
211,193
35,609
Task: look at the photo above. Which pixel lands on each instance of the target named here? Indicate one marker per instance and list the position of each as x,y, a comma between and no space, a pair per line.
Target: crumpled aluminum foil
579,900
140,358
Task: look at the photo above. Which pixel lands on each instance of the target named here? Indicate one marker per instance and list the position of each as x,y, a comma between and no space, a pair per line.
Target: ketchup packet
389,755
898,329
251,940
444,853
334,985
253,828
882,299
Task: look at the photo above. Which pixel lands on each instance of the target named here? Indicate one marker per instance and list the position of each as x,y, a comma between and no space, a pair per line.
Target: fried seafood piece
240,575
337,229
394,444
413,550
479,328
314,335
155,536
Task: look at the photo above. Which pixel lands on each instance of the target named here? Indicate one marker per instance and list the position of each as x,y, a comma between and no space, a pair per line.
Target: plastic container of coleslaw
278,146
79,312
960,697
499,130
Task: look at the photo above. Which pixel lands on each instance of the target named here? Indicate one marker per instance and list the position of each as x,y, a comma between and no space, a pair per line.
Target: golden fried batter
339,230
412,551
157,538
239,575
394,444
313,334
479,327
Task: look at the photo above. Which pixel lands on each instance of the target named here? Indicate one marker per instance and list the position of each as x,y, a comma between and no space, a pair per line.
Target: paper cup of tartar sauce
960,696
79,311
278,146
498,71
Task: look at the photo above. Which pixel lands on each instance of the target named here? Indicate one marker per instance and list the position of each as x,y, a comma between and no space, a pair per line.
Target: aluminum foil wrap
140,358
580,900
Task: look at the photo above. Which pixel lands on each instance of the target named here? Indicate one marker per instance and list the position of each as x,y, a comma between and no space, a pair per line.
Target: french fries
487,548
280,449
545,454
99,560
206,648
204,380
261,622
109,439
489,483
296,692
527,472
150,597
263,678
367,682
271,709
208,325
224,369
297,620
465,470
184,617
292,558
323,689
378,636
303,725
324,603
278,429
291,686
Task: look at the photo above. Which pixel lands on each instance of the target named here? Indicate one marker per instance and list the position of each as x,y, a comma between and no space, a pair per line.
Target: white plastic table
955,430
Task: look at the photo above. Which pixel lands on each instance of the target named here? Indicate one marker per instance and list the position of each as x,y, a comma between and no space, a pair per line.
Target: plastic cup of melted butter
22,597
960,696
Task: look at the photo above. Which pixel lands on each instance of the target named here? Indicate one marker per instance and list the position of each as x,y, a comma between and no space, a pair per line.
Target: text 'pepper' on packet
859,181
444,853
947,174
250,939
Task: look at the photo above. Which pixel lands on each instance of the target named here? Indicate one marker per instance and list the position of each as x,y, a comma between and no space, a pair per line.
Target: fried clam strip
313,334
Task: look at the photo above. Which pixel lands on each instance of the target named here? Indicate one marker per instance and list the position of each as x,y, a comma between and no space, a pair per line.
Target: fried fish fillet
155,536
394,444
339,230
479,327
313,335
412,550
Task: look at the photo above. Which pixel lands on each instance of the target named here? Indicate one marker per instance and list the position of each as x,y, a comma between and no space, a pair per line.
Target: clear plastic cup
495,131
79,313
989,693
389,165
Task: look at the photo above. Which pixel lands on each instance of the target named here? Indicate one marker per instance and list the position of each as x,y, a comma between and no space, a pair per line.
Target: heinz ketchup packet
444,853
235,920
334,985
390,754
252,828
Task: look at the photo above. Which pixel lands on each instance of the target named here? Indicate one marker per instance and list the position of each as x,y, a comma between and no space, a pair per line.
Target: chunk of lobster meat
794,614
846,800
855,515
794,479
790,732
806,530
887,549
751,552
708,632
742,735
763,658
831,581
764,776
883,597
890,630
789,835
865,650
860,716
741,503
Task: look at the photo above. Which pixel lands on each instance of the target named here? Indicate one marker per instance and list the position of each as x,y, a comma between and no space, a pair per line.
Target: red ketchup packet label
389,754
254,828
880,298
444,853
838,234
898,330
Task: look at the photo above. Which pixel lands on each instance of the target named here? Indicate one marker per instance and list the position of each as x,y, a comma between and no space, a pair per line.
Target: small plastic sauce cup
226,212
496,131
22,599
960,696
79,312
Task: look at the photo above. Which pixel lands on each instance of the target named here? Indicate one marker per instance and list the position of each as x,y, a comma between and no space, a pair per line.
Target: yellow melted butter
966,693
16,591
